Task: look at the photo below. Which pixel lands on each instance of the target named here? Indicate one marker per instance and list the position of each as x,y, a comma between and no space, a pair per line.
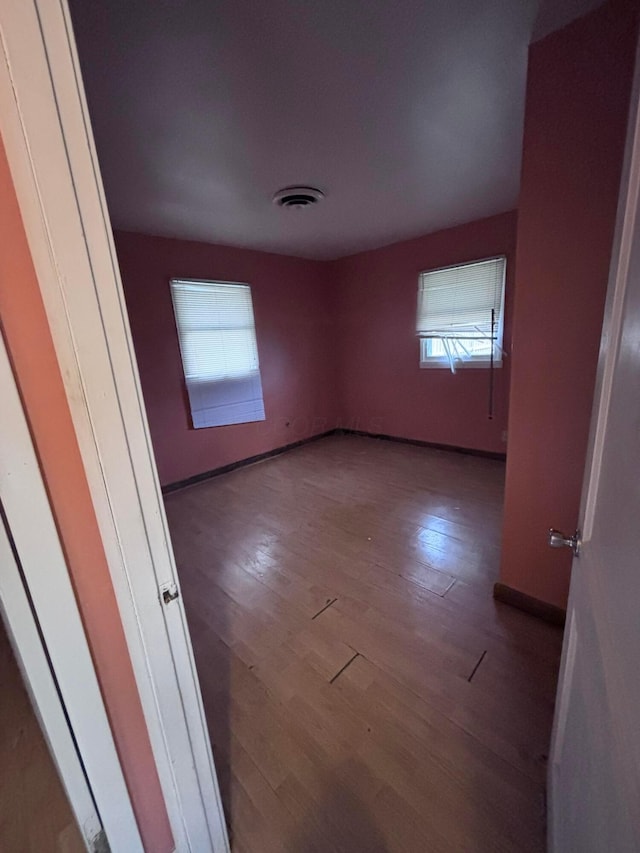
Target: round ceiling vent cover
295,198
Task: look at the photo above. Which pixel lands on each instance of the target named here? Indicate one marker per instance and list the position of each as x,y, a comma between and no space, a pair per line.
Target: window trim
475,362
192,383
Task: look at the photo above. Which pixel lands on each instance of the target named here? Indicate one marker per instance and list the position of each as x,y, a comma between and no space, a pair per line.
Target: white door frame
27,646
628,211
49,144
35,596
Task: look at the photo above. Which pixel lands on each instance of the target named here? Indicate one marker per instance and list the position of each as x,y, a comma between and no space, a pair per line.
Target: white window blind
460,314
219,352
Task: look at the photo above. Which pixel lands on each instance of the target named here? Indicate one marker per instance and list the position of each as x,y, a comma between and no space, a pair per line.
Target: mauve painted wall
26,332
292,306
384,390
576,112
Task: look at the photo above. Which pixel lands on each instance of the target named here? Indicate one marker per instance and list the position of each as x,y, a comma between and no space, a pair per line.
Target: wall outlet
504,436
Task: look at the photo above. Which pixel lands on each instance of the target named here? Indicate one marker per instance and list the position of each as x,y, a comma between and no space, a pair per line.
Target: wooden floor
35,815
364,692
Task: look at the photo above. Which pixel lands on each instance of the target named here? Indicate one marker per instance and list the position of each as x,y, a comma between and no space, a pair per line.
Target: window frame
192,382
482,362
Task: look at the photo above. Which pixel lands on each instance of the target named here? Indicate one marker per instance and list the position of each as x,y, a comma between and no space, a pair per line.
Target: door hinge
99,843
169,592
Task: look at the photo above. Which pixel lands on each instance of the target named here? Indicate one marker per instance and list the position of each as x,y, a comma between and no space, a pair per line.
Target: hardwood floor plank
339,596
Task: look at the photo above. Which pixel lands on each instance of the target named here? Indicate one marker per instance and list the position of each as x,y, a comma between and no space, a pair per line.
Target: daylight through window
460,314
219,351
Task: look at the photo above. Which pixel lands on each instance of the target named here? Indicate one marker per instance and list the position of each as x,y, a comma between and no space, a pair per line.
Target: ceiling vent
295,198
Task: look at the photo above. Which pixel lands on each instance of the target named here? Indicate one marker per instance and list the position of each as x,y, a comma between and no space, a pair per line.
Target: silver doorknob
557,539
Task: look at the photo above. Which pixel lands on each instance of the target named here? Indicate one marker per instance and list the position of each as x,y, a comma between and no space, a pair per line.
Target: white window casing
219,351
460,318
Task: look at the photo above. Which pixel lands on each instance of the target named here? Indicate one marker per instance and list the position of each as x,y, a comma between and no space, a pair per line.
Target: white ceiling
407,114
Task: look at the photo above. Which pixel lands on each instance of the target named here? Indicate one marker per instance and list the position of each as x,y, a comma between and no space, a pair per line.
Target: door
41,616
47,136
35,813
594,775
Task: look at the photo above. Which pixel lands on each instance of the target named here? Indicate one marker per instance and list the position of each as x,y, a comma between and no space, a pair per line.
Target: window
219,351
460,315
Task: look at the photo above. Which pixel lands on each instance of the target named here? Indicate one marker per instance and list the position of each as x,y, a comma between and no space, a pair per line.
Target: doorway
386,801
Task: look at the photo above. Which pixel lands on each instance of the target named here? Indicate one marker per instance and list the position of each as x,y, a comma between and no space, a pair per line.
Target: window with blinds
219,351
461,315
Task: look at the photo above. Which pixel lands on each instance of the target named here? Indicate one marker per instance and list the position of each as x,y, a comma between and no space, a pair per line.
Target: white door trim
627,212
589,582
27,646
49,144
56,622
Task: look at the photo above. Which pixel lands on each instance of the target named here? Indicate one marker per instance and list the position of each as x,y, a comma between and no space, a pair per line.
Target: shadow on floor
340,823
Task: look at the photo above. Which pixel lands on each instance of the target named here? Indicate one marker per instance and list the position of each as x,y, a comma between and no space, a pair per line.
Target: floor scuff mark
326,607
475,669
348,663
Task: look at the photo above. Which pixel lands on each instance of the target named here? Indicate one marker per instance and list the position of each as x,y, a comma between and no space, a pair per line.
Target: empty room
354,440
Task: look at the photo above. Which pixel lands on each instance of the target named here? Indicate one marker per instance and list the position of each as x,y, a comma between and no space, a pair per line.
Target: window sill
438,364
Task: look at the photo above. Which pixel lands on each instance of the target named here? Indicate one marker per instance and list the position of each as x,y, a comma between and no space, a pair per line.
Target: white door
594,775
38,607
47,135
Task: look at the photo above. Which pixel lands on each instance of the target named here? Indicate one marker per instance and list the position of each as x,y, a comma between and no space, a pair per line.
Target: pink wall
325,334
26,332
384,390
337,343
292,307
576,109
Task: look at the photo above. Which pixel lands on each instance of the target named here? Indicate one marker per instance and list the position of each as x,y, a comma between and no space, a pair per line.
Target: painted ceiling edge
545,24
331,260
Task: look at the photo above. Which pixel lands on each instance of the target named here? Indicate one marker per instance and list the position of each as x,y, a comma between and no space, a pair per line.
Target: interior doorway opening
296,788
